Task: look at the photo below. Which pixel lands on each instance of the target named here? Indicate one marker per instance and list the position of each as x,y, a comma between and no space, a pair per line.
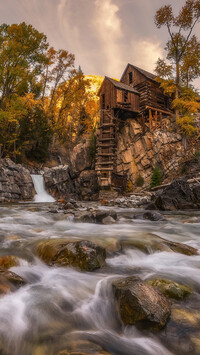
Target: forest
43,98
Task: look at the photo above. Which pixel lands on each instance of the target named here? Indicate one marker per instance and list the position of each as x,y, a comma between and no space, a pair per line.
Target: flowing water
61,307
41,194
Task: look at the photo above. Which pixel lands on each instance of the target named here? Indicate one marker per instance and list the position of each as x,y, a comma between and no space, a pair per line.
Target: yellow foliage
186,124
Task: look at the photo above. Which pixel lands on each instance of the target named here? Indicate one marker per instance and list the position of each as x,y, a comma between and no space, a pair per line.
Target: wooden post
150,120
156,118
160,114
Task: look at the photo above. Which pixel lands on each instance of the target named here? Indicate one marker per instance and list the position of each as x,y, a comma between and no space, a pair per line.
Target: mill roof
142,71
122,86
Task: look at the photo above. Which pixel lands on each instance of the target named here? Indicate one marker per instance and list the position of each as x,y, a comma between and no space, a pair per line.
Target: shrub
139,181
129,186
156,177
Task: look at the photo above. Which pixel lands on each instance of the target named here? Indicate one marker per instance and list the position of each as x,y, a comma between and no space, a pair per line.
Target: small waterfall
41,194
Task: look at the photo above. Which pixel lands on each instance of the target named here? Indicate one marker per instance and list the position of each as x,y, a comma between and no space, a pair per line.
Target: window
130,77
125,96
103,101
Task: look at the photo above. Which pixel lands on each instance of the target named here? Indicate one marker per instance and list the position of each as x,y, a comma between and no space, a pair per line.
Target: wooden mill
137,95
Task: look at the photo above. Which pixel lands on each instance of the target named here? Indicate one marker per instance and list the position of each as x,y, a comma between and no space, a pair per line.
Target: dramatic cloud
107,24
104,35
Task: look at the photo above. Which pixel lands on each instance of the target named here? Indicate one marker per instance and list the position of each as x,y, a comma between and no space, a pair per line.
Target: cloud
107,25
145,53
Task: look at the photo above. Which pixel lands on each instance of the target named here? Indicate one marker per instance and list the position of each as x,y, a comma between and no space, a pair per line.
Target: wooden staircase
106,147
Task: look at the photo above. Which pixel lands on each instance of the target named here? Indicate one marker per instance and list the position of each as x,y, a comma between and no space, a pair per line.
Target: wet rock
151,243
82,254
102,215
153,216
177,196
9,281
171,289
140,304
83,347
84,217
108,220
95,216
8,261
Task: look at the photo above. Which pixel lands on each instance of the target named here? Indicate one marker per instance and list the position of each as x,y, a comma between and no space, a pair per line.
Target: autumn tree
22,54
183,47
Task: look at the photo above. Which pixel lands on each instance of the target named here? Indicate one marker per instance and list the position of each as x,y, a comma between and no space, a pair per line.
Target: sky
104,35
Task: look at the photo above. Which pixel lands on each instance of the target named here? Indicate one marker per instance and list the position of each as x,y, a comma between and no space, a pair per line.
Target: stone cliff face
15,182
139,154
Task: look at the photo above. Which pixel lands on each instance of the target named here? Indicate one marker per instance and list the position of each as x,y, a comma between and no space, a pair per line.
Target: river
60,308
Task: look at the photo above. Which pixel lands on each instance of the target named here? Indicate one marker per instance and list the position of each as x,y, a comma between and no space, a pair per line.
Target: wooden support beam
150,120
156,119
160,119
159,110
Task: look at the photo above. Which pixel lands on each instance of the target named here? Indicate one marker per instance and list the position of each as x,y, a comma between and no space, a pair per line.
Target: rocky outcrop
140,304
81,159
77,180
58,181
15,182
82,254
87,185
138,153
178,196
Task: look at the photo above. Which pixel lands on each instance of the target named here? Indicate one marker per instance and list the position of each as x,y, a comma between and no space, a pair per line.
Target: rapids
62,307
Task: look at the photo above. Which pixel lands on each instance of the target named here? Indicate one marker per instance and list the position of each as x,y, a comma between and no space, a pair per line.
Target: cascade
41,194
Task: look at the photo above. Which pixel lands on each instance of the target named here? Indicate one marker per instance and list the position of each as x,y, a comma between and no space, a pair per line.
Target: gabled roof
122,86
142,71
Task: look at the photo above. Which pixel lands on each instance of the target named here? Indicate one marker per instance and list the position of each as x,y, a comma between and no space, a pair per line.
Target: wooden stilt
156,119
160,114
150,120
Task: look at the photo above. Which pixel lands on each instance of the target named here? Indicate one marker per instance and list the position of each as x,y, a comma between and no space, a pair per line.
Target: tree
22,54
35,133
183,49
156,177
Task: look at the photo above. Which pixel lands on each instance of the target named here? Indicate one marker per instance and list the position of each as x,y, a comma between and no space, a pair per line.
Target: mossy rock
171,289
140,304
82,254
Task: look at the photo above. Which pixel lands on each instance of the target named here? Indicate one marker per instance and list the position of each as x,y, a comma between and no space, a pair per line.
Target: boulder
82,254
108,220
176,196
153,216
171,289
101,215
151,243
140,304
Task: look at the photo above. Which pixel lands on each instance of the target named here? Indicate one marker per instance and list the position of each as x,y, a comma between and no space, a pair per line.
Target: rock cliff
15,182
138,153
